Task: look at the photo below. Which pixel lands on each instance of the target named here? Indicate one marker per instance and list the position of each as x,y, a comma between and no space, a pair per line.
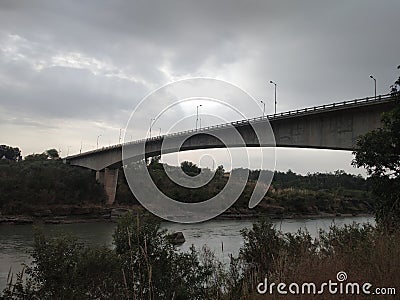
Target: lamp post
119,139
160,131
264,108
275,92
372,77
151,124
97,143
197,114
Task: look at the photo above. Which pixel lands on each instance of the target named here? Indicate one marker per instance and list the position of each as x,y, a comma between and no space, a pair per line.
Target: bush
143,265
154,269
363,252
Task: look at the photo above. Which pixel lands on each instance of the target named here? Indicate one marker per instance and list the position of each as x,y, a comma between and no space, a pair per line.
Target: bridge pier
108,178
100,176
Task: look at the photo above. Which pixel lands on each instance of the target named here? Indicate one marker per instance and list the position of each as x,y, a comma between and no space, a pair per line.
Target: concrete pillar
110,184
100,176
109,179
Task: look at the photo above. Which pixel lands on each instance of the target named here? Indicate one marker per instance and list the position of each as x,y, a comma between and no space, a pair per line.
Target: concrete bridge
333,126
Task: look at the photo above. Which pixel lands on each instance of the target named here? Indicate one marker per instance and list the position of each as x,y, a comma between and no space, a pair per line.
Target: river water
221,236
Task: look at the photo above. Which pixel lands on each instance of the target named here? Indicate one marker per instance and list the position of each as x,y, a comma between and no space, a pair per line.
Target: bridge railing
291,113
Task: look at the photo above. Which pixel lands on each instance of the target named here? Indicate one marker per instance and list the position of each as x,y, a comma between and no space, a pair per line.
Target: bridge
334,126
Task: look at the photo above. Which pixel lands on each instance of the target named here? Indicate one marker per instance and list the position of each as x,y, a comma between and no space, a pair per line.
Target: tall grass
364,253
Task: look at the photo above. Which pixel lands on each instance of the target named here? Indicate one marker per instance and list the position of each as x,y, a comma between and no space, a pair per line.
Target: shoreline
83,214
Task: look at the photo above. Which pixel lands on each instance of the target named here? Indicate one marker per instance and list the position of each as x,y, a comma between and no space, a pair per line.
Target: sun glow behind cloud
67,73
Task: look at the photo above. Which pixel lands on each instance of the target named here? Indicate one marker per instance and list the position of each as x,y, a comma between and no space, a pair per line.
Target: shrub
143,265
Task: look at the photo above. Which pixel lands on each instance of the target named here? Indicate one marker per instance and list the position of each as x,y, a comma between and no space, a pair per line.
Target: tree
155,163
52,154
395,88
48,154
190,168
379,152
220,171
36,157
10,153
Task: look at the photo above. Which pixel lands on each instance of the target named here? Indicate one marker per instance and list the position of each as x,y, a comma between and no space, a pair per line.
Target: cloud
91,62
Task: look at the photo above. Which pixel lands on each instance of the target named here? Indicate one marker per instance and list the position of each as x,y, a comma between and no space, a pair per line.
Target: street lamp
264,108
151,124
97,143
275,92
197,114
119,139
160,131
372,77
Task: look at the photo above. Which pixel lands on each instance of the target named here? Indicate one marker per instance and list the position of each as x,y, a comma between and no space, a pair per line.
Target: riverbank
67,214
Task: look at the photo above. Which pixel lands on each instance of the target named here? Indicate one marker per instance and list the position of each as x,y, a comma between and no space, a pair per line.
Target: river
221,236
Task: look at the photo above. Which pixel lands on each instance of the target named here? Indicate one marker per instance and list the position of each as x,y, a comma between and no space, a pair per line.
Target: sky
72,72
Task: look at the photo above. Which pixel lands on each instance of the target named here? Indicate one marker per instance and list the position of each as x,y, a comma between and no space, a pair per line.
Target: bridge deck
274,117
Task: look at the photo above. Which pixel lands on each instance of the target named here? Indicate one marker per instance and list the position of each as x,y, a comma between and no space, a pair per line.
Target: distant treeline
29,184
317,181
290,193
42,180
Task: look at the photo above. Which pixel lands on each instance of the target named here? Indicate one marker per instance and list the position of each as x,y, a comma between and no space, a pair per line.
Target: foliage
261,246
319,181
64,268
40,181
155,163
143,265
30,183
10,153
190,168
48,154
379,152
336,192
170,188
52,153
363,252
36,157
395,87
354,238
219,172
153,267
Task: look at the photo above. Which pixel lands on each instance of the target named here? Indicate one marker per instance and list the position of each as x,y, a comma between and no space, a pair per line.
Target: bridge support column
100,176
109,179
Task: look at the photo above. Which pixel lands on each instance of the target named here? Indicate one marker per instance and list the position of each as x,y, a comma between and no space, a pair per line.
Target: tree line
43,180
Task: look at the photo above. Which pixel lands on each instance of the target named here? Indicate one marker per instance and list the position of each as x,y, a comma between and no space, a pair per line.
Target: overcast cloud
72,70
